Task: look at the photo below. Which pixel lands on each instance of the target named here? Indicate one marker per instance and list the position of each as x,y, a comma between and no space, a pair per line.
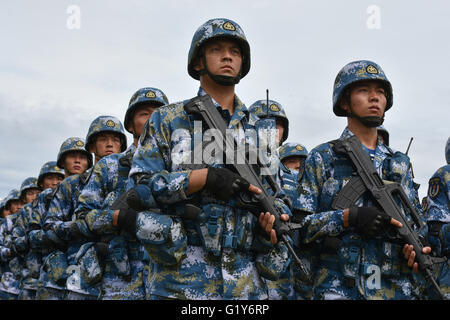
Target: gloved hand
223,183
368,221
127,220
141,198
101,248
75,231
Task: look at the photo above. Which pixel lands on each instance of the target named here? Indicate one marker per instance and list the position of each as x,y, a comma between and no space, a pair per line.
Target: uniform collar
240,110
381,152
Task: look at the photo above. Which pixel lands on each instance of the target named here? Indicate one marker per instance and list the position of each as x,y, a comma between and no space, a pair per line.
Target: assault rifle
367,179
204,107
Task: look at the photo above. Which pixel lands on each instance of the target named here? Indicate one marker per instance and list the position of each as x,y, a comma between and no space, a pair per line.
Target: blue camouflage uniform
59,219
268,112
23,263
26,260
10,277
50,286
217,255
438,219
41,242
123,271
289,182
349,267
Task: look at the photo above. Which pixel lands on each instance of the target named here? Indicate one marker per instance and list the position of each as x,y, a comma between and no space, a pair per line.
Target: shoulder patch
433,187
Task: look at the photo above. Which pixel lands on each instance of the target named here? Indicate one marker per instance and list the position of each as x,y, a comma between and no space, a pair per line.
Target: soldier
123,256
105,137
212,250
75,159
14,203
276,112
10,280
29,190
266,111
438,218
49,177
292,167
354,261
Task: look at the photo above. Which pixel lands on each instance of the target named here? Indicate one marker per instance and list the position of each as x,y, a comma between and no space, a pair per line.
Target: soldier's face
106,143
140,117
51,180
223,57
75,162
31,194
292,163
367,98
15,206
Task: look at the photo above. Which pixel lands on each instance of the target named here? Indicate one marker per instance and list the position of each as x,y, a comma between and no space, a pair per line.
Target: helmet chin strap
222,80
369,121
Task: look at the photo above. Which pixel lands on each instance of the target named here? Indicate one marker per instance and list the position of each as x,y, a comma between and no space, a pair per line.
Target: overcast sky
56,78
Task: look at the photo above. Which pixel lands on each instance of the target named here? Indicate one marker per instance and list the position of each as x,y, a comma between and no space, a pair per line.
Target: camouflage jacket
223,256
350,267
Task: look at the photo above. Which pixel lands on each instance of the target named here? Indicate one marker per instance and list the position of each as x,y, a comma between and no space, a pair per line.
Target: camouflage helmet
218,28
2,204
106,124
384,133
290,149
356,71
276,110
14,194
47,168
447,151
72,144
147,95
28,183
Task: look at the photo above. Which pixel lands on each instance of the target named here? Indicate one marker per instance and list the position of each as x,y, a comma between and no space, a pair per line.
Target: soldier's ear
344,105
198,63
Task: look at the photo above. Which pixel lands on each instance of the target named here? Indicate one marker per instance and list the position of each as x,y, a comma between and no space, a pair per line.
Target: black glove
223,183
368,221
101,248
75,232
127,220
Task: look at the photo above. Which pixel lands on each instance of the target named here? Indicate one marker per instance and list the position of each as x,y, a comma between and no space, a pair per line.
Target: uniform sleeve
18,234
438,199
94,202
153,157
5,251
58,217
37,236
317,225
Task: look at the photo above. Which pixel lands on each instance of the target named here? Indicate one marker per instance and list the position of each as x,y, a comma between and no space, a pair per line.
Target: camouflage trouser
27,294
44,293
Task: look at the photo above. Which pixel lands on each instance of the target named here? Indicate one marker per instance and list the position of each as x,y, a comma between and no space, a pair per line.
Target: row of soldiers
145,222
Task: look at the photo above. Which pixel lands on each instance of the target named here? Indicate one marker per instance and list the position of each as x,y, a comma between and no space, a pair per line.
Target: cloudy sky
63,63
